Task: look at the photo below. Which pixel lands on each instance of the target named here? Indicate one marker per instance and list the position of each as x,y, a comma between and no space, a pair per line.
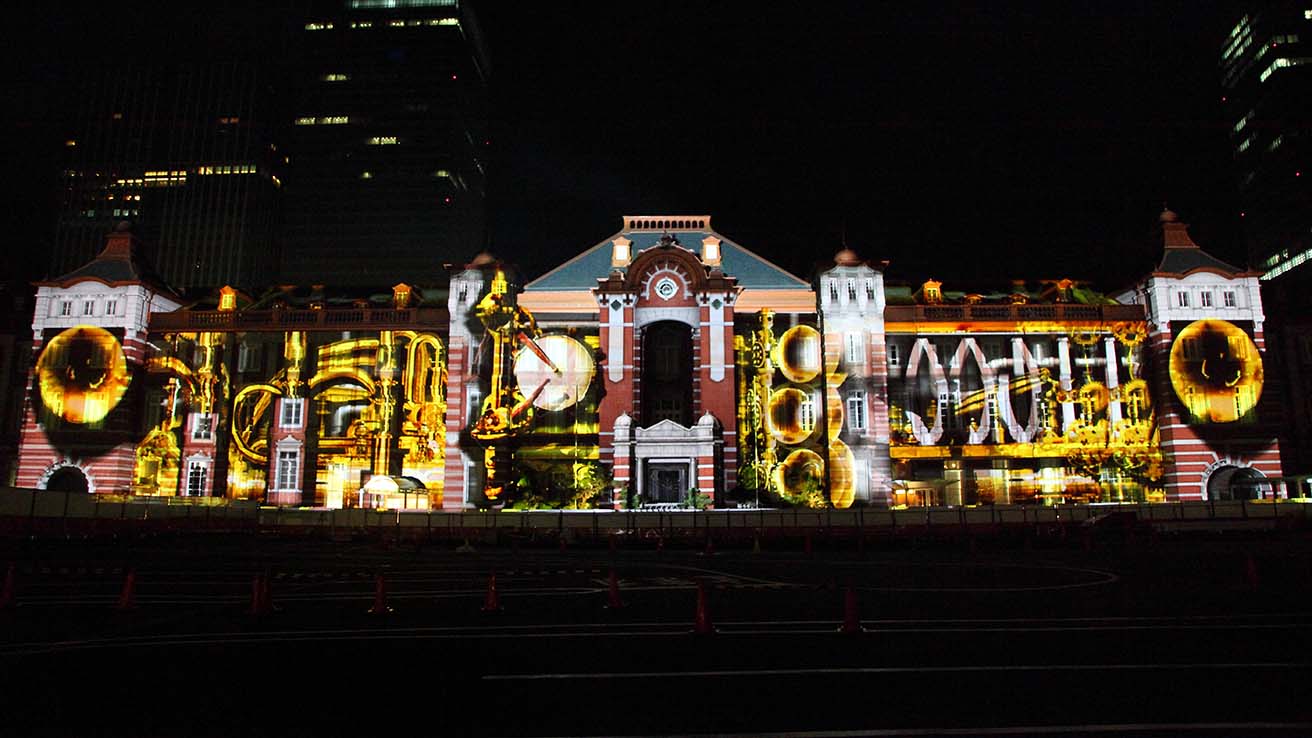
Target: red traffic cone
1251,576
380,596
851,620
613,601
702,625
127,599
492,602
8,594
259,596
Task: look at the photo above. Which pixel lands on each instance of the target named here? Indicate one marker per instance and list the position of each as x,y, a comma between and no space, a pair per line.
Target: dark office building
385,179
1266,68
184,150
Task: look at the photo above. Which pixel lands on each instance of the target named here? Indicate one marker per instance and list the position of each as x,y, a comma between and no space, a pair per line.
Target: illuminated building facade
664,365
385,140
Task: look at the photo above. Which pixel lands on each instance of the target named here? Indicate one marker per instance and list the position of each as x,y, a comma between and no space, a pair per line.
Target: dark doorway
67,479
666,373
1237,483
666,482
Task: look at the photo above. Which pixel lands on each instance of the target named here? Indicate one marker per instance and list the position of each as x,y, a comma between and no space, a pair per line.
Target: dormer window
1205,299
1182,299
111,307
66,308
1228,299
621,252
88,308
711,251
933,292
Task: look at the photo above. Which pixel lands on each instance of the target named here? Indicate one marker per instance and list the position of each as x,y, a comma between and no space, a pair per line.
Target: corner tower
1206,347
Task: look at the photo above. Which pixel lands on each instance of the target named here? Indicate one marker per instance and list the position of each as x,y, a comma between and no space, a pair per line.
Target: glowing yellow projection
842,474
797,354
1216,371
792,415
802,471
82,374
563,378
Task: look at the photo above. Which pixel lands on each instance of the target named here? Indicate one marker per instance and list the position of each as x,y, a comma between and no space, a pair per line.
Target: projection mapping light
1216,371
565,376
82,374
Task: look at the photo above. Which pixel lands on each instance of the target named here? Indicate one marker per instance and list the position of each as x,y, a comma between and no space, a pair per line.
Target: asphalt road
1192,636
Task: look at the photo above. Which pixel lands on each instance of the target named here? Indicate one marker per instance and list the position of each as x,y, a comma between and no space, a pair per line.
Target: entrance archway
68,479
1237,483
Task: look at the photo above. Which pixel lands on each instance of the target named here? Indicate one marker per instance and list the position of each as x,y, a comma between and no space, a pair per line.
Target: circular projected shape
1216,371
785,416
797,353
842,475
561,386
82,374
800,470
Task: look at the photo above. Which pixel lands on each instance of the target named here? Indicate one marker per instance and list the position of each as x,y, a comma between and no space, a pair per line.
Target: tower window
856,410
292,412
203,427
198,473
289,466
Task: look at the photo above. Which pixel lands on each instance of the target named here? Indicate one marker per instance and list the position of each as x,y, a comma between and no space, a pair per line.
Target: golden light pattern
801,472
842,475
797,354
1216,371
787,418
82,374
563,377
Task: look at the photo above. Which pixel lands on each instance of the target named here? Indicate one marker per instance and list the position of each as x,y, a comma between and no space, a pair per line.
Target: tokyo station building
664,365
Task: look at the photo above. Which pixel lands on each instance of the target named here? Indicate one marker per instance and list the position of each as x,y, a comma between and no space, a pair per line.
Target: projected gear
797,354
1216,371
563,377
82,374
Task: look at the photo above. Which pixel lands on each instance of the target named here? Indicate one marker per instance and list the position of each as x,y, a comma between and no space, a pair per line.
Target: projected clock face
82,374
564,380
1216,371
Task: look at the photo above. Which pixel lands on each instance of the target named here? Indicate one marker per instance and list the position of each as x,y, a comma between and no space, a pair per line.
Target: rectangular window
1228,298
203,428
856,348
892,353
111,307
1182,299
198,473
292,411
1205,299
856,410
289,467
66,308
88,308
806,414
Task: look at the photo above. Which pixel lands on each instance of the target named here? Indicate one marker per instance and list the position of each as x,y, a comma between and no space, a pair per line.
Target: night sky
1034,140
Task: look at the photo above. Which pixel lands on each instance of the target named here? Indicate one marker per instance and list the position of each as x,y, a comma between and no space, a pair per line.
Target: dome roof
847,257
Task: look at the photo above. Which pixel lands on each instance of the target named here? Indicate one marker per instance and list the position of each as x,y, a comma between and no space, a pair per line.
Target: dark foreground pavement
1191,636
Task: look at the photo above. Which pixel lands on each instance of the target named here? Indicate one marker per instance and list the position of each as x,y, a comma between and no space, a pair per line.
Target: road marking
815,671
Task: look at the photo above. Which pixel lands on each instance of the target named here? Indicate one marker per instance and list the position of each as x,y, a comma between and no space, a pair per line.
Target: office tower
1266,67
385,180
182,148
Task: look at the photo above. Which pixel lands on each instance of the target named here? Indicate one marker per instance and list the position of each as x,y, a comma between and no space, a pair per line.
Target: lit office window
383,141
